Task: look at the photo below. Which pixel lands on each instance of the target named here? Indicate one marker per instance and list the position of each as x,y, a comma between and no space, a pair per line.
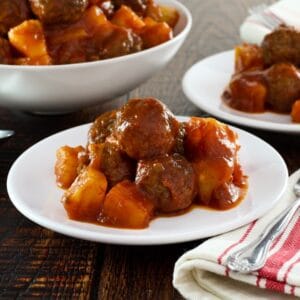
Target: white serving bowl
63,88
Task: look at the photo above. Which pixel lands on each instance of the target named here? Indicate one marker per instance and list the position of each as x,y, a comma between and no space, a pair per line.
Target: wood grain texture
36,262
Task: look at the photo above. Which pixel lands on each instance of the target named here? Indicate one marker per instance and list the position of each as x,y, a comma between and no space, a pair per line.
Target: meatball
169,181
102,127
5,51
282,45
120,42
12,13
138,6
284,86
115,164
145,128
58,11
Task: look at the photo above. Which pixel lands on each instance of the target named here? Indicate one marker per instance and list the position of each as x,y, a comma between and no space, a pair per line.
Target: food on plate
58,11
168,180
146,129
140,162
52,32
5,51
267,77
282,45
13,12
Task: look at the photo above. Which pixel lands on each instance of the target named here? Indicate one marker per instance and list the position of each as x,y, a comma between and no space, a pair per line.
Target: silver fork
268,19
253,256
6,133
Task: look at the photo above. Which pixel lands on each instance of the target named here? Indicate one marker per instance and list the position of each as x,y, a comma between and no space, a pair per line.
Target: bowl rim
183,10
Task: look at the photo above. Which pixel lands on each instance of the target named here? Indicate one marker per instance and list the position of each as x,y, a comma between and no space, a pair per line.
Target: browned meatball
284,86
12,13
145,128
110,42
169,181
115,164
282,45
58,11
120,42
138,6
5,52
102,127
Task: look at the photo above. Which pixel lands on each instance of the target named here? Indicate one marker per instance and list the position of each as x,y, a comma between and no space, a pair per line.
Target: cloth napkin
288,11
201,273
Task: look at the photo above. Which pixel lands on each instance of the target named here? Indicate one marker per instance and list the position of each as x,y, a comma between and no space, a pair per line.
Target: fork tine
265,18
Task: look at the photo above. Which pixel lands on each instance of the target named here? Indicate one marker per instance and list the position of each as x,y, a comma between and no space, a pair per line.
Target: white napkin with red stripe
253,29
201,273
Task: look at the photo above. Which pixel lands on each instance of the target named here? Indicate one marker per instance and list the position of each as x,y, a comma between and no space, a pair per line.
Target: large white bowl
62,88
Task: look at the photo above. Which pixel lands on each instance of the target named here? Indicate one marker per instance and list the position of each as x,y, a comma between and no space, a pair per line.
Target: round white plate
32,189
204,83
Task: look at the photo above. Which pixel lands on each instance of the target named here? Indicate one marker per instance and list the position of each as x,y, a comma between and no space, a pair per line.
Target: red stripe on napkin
243,237
275,262
290,268
293,290
275,285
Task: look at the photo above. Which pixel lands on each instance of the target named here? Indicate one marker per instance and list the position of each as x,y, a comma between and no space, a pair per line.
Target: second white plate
204,83
32,189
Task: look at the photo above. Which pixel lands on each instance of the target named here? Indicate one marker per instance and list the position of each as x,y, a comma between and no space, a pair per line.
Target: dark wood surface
38,262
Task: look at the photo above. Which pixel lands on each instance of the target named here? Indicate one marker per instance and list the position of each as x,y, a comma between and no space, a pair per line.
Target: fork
267,18
6,133
253,256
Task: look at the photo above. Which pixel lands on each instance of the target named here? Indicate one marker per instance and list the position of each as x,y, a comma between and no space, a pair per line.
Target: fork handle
253,256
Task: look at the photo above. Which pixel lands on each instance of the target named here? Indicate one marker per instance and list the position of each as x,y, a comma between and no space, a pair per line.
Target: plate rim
138,240
229,117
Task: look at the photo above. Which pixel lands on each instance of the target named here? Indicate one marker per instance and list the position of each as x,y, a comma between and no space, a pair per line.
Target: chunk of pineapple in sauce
83,200
29,39
68,164
125,206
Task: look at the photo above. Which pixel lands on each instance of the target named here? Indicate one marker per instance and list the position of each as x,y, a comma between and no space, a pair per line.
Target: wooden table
38,262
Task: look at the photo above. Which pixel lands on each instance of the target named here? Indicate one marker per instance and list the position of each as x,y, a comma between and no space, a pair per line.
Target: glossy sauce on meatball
146,129
5,52
115,164
12,13
169,181
58,11
102,127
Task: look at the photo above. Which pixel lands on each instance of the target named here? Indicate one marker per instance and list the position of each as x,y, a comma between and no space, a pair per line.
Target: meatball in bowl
63,55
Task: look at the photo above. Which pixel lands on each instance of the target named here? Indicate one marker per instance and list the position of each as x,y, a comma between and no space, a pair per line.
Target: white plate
204,83
32,189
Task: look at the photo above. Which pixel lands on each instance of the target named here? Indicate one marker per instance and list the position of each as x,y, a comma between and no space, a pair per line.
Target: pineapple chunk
169,15
94,18
156,34
29,38
125,206
212,147
248,57
84,198
67,166
212,173
246,94
126,17
95,154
